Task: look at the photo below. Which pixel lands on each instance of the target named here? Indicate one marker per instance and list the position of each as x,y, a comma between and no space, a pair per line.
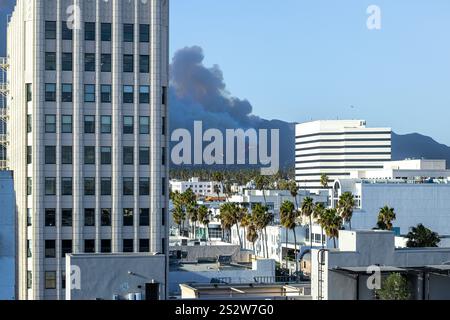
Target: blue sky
299,60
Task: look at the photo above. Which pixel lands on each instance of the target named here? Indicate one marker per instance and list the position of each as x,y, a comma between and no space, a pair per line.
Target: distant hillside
415,145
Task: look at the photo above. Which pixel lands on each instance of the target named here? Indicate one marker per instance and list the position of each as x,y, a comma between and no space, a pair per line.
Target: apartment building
88,116
336,147
200,188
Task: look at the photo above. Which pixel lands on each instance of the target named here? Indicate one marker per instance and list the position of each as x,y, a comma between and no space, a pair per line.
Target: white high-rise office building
88,121
337,147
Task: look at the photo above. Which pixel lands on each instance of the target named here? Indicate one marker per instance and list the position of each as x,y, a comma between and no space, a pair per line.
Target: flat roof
205,267
363,270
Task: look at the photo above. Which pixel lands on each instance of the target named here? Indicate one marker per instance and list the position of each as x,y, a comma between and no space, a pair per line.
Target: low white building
7,237
418,190
127,276
343,273
200,188
205,273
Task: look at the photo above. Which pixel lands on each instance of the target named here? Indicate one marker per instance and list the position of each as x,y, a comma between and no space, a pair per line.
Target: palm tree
324,180
203,217
246,220
193,218
288,216
331,222
262,218
217,190
178,217
422,237
307,208
385,218
252,235
261,183
318,213
345,207
293,189
226,218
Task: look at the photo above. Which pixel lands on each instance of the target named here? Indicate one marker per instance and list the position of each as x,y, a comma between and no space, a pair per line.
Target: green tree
422,237
307,209
394,287
318,213
385,218
178,217
203,218
288,217
252,235
324,180
331,222
262,218
345,207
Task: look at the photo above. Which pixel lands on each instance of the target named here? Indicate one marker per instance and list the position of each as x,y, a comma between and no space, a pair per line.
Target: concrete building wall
102,276
8,233
336,147
27,48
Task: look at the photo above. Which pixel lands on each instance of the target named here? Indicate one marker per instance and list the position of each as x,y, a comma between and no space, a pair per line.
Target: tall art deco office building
88,113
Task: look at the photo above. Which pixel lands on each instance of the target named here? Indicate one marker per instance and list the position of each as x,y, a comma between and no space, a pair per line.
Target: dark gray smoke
199,93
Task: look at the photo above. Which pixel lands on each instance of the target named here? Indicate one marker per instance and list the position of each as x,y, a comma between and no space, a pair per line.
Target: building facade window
128,94
106,124
105,93
106,31
144,217
66,247
89,186
50,248
105,62
50,217
89,62
128,186
50,61
89,93
50,155
50,123
89,155
50,30
29,154
66,32
128,125
66,94
89,246
128,155
50,280
89,217
106,217
66,217
50,92
144,245
66,61
144,94
105,246
29,124
128,217
66,124
28,92
89,31
128,33
128,63
29,186
144,63
105,186
66,155
144,125
89,124
106,155
128,245
50,186
66,186
144,33
144,156
144,186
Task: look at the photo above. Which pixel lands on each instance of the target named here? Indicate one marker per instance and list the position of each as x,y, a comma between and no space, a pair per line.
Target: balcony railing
3,165
3,138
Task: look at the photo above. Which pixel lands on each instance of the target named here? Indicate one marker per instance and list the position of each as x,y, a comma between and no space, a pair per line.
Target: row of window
105,217
89,62
89,93
90,125
90,32
89,155
89,186
105,187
